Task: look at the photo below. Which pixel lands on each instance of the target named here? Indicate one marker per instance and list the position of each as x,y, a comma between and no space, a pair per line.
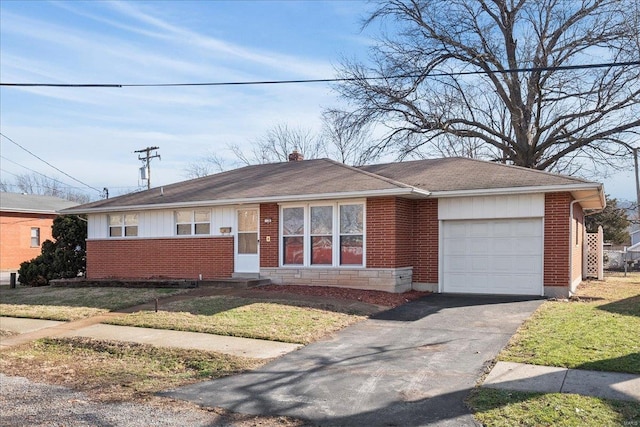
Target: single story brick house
25,222
453,225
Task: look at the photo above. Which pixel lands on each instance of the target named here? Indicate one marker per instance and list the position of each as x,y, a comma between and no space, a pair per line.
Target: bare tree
446,76
209,164
347,139
34,183
278,143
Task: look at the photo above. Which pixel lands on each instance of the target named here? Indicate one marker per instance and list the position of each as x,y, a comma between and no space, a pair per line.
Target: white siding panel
156,224
160,223
97,226
223,217
488,207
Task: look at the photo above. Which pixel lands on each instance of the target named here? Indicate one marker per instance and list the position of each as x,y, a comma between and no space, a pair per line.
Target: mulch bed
386,299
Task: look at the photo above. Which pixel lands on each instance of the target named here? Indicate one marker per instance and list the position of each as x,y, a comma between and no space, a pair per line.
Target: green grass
73,303
243,317
500,408
596,331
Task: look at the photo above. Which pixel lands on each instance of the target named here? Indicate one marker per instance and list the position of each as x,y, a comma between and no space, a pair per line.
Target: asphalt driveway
410,366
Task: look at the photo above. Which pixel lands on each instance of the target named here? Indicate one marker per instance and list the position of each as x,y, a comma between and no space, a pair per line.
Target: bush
62,259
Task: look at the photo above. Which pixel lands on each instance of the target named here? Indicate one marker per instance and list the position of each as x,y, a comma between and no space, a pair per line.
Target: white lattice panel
593,255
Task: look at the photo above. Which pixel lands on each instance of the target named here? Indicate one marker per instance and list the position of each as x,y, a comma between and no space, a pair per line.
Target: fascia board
30,211
415,192
517,190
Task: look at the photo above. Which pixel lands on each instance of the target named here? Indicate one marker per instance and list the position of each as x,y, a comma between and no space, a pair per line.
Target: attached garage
493,256
492,244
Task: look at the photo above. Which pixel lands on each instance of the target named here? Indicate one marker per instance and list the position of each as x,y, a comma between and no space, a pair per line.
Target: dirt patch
386,299
5,333
353,301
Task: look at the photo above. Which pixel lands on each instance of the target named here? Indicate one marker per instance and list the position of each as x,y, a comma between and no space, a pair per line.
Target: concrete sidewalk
31,329
547,379
504,375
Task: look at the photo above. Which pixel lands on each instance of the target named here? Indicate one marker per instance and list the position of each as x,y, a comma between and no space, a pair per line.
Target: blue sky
91,133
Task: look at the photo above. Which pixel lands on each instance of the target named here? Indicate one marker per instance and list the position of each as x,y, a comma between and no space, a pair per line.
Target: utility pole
635,161
147,161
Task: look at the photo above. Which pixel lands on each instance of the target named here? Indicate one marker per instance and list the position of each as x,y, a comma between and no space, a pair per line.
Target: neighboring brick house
448,225
25,222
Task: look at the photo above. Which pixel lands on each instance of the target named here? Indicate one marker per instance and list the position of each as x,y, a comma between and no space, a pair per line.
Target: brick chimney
295,156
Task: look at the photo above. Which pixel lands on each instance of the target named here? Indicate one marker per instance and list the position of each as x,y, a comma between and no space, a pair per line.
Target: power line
41,174
6,171
328,80
44,161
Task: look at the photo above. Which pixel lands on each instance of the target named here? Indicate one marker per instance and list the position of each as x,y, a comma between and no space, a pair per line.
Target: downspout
571,235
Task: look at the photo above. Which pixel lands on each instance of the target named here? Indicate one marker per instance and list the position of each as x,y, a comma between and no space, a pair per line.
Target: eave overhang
407,192
591,194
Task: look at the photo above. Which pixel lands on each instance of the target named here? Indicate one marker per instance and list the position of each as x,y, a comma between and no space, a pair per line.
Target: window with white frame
190,222
123,225
321,235
351,234
35,237
316,235
293,236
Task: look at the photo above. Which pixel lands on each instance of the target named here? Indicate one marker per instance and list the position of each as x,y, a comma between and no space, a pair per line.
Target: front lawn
74,303
273,319
503,408
595,330
117,371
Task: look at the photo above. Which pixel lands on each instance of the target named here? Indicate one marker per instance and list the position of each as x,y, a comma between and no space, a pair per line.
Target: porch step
245,275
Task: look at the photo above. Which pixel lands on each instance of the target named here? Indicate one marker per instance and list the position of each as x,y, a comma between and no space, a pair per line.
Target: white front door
247,242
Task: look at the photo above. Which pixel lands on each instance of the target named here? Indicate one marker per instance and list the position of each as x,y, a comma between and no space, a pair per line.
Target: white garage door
493,256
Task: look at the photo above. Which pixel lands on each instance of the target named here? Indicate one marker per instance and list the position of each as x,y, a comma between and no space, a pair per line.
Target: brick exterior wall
425,238
556,239
160,258
15,237
389,232
269,250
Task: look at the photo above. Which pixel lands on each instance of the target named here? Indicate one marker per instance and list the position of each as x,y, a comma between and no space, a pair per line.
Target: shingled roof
326,179
32,203
275,181
461,173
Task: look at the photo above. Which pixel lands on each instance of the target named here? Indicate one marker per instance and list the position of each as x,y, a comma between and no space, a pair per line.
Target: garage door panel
477,246
529,246
456,246
493,256
479,229
528,228
458,230
480,264
501,229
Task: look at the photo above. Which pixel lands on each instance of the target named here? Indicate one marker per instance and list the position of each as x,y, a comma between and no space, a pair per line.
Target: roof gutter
516,190
407,192
30,211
